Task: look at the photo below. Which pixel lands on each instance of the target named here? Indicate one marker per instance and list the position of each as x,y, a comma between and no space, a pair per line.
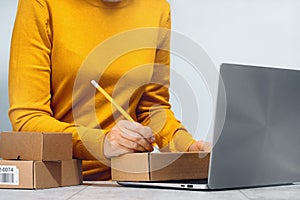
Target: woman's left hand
200,146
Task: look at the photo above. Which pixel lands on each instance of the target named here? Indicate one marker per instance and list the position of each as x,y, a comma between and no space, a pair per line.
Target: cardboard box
39,174
36,146
160,166
29,174
71,172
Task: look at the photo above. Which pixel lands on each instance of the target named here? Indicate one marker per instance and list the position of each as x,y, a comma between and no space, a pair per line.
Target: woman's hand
200,146
128,137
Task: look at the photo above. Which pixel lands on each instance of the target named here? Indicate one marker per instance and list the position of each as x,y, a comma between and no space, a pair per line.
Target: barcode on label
9,175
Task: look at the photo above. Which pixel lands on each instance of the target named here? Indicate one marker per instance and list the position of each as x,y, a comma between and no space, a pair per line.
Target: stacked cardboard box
38,160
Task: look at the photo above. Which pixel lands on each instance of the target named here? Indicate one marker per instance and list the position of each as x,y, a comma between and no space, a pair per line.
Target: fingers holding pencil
128,137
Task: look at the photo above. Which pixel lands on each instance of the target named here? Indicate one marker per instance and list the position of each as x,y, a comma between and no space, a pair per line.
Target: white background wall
7,15
264,32
259,32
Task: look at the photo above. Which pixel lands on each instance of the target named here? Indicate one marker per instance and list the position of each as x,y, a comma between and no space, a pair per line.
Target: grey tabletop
111,190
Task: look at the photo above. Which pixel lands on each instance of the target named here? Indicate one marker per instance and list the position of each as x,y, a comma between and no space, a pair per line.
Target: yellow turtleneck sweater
58,47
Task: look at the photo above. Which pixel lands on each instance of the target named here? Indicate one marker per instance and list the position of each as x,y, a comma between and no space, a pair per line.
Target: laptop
258,144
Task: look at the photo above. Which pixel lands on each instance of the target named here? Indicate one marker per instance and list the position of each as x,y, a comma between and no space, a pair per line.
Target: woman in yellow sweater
52,39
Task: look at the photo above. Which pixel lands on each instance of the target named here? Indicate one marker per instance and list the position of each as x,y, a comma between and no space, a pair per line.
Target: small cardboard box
29,174
160,166
71,172
36,146
39,174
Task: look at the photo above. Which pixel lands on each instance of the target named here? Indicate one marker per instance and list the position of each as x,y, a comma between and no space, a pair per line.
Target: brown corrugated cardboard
29,174
36,146
160,166
39,174
46,174
71,172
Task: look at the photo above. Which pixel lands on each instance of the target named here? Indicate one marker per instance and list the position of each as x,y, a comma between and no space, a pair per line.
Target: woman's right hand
128,137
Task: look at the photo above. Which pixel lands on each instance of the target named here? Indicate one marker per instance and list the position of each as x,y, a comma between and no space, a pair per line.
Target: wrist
106,148
191,146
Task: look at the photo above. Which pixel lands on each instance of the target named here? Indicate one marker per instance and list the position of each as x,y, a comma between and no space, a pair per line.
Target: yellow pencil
119,108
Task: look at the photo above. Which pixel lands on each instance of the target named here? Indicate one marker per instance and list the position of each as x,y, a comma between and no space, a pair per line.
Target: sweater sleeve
154,109
30,82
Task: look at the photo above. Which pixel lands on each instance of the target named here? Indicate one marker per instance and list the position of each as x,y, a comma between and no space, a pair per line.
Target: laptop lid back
259,143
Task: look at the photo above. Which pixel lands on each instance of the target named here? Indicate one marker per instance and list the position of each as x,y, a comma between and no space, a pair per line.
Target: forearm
181,141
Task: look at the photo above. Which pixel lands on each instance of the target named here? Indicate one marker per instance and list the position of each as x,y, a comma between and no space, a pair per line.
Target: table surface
111,190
